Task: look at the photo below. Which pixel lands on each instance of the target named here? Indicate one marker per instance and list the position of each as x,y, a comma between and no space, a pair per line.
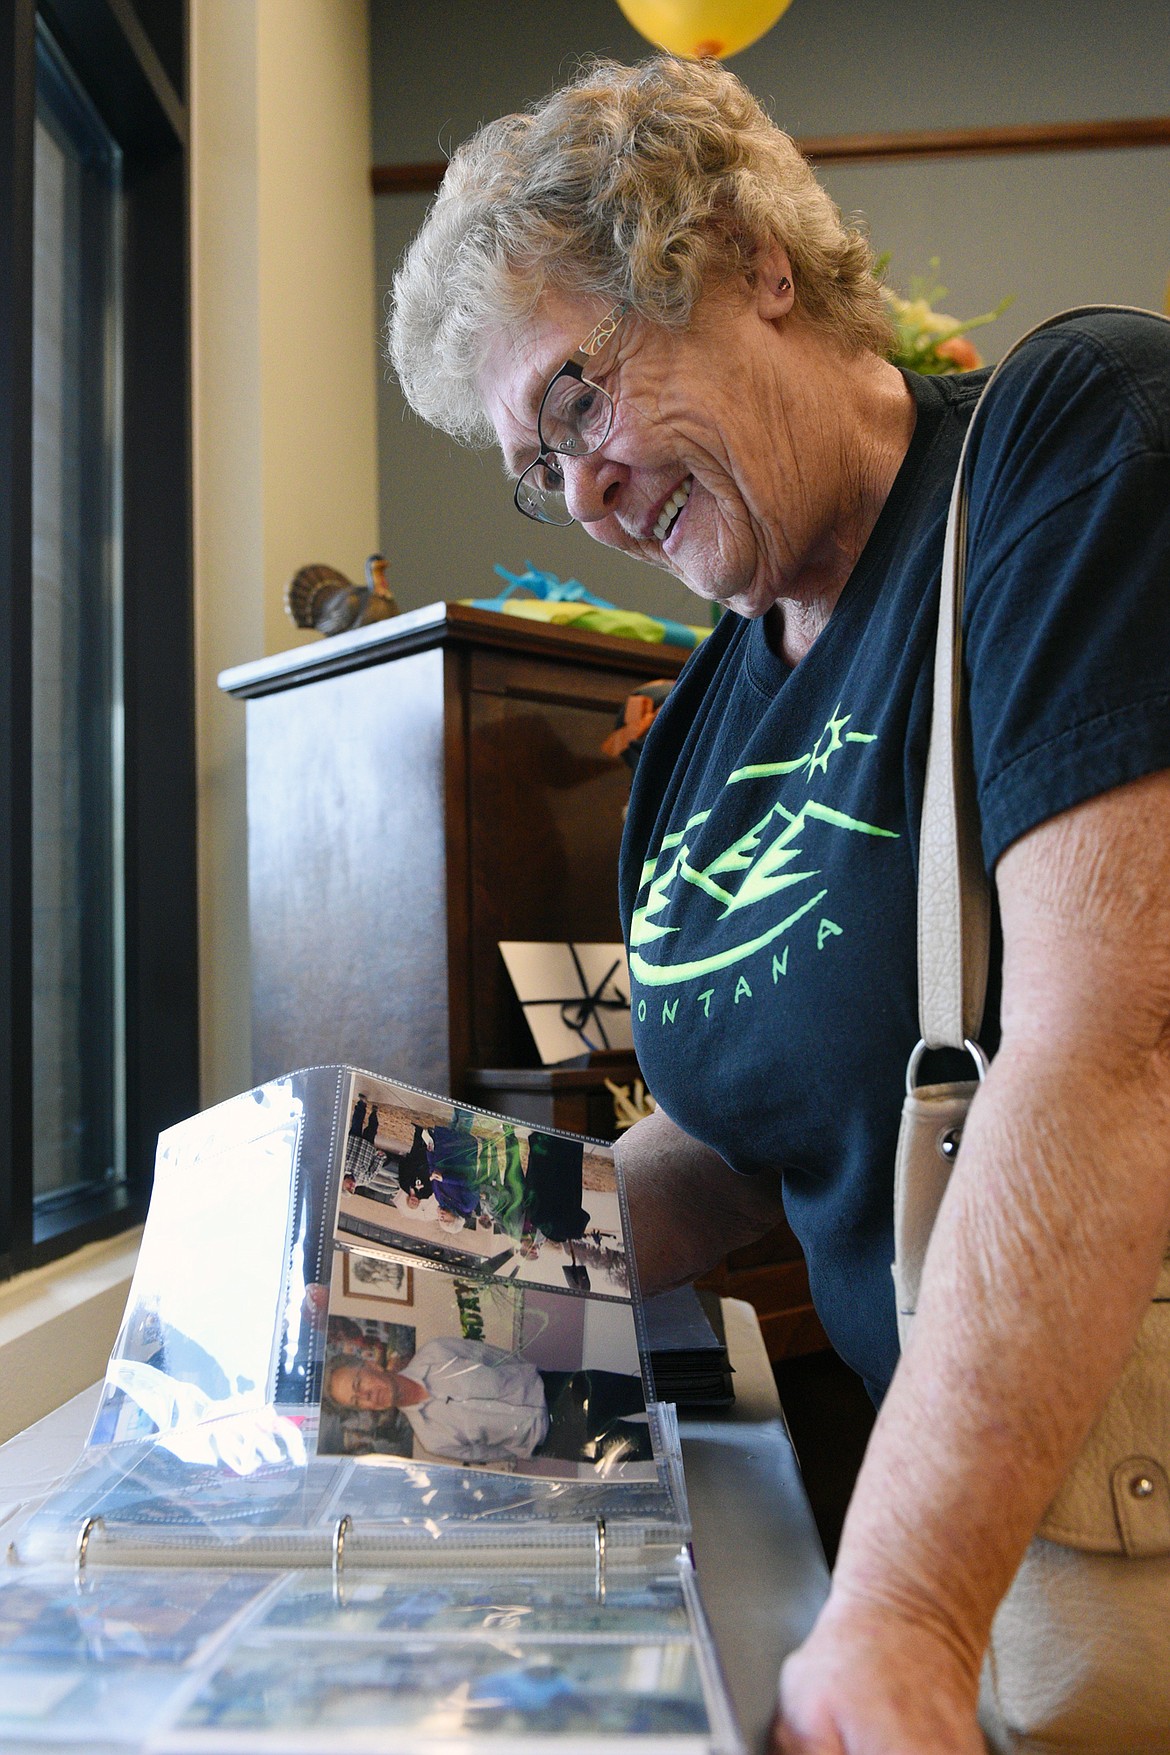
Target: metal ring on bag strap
982,1064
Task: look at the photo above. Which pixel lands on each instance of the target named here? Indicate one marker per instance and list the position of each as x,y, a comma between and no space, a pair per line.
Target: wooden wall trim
988,142
856,149
420,179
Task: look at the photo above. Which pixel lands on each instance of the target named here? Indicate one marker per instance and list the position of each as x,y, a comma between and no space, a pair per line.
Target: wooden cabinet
418,791
576,1098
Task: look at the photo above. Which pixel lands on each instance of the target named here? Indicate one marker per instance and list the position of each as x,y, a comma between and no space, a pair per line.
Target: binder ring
600,1553
83,1536
341,1529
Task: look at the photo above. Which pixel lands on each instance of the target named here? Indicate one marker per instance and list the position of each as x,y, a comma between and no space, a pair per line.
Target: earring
785,284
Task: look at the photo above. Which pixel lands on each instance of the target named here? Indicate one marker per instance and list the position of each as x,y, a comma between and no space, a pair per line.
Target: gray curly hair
338,1362
644,185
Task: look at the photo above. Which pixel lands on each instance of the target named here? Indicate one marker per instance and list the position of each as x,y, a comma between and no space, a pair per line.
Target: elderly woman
642,293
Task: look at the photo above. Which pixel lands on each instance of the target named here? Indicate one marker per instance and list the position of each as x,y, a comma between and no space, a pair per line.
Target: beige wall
57,1326
1054,229
318,344
284,380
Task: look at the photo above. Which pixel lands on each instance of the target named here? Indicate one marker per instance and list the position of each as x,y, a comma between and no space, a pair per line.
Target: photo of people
122,1613
452,1690
450,1184
67,1705
478,1601
487,1374
356,1428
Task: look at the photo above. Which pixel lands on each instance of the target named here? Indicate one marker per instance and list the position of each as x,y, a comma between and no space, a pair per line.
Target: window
78,953
98,1029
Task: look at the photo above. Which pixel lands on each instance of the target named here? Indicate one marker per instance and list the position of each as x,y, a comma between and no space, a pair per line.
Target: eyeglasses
575,418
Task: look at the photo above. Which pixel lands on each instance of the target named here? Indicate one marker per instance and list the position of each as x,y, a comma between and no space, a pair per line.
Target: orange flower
962,353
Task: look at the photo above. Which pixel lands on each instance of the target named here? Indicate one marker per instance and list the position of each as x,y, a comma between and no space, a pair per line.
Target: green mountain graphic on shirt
762,879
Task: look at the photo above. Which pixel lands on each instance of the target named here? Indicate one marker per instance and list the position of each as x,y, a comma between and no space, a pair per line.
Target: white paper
555,982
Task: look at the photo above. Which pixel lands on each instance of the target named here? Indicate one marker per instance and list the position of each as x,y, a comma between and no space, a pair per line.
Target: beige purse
1079,1657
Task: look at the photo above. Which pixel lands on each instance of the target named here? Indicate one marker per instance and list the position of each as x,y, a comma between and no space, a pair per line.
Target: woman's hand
871,1680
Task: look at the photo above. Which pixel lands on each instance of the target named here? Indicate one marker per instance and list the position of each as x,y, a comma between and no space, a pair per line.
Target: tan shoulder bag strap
954,896
954,914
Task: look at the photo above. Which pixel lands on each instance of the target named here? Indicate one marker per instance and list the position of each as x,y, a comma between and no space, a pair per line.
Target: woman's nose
593,486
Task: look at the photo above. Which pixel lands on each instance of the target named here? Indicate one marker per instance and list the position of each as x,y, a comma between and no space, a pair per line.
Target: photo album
377,1462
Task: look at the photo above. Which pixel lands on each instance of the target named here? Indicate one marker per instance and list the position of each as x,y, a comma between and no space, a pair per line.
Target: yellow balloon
702,28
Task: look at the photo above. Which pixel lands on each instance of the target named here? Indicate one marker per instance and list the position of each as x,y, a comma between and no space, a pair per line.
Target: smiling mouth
669,515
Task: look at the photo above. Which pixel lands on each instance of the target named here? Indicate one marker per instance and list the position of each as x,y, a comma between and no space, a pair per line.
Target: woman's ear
775,293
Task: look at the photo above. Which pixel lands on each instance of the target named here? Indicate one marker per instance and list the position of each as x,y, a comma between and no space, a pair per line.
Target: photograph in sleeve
378,1279
122,1613
378,1344
479,1601
325,1692
66,1705
486,1374
478,1193
149,1485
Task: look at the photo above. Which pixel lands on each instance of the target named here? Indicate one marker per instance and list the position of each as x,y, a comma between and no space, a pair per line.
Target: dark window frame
109,45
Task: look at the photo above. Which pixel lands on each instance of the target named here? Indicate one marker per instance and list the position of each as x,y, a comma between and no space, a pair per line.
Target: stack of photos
479,1310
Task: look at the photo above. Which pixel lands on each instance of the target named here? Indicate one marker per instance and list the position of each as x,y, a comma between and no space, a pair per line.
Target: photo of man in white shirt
473,1402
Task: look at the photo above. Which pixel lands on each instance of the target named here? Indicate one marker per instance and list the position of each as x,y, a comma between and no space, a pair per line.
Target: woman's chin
749,600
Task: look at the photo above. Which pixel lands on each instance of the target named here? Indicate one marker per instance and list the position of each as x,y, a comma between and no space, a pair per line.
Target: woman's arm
1042,1262
687,1208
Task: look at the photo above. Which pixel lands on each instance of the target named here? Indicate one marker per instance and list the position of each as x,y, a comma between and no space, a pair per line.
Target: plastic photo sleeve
85,1664
181,1659
416,1691
449,1184
199,1338
489,1600
435,1367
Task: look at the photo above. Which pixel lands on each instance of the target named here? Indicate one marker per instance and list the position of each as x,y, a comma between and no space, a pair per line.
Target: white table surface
758,1558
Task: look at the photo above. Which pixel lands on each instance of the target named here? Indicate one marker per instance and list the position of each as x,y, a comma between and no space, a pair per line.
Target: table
758,1558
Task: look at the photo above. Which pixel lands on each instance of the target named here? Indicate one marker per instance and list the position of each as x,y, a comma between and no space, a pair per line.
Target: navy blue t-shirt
768,875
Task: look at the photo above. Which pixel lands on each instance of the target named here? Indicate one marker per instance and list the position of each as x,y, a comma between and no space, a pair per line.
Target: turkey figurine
318,596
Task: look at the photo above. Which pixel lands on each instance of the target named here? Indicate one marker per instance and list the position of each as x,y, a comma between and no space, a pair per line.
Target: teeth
672,508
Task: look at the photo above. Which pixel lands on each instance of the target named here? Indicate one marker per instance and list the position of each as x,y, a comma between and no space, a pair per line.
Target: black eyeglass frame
574,367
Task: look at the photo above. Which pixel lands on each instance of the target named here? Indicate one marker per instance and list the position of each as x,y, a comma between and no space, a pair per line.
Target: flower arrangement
926,339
